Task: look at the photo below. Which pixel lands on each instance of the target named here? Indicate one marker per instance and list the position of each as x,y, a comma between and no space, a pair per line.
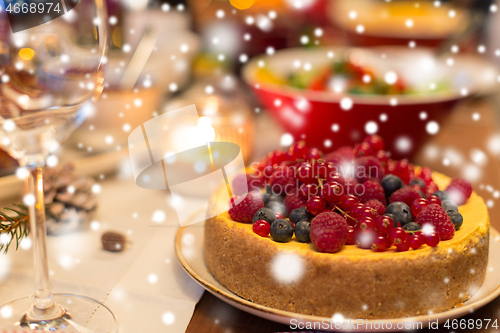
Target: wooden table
457,140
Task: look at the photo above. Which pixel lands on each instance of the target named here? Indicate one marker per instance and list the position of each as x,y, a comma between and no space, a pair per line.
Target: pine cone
113,241
69,199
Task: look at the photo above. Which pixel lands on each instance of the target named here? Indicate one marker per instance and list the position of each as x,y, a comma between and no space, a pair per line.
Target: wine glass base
77,314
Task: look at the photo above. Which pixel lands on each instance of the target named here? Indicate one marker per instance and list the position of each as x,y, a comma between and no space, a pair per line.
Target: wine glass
50,75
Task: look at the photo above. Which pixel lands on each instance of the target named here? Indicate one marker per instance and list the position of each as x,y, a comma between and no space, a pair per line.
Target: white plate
189,246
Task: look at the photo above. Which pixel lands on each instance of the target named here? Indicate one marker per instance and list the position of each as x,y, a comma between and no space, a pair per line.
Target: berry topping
434,199
305,173
277,206
335,177
418,205
368,167
375,142
351,236
300,214
333,192
459,190
393,217
329,232
442,195
282,180
384,224
246,209
261,228
380,243
431,239
308,190
397,235
416,241
363,149
404,245
347,202
412,227
449,205
418,182
401,212
406,195
372,190
391,184
456,218
351,186
303,231
366,224
435,215
376,205
281,230
294,201
279,215
316,205
264,214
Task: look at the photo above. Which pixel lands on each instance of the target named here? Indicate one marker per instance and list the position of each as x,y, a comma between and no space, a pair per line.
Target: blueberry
456,218
412,226
303,231
417,181
449,205
391,184
277,206
282,230
393,217
401,211
442,195
264,214
300,214
267,197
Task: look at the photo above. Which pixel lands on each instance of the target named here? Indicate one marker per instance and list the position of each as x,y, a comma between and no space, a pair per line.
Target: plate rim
230,297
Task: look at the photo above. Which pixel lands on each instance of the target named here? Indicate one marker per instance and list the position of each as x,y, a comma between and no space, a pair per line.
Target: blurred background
263,74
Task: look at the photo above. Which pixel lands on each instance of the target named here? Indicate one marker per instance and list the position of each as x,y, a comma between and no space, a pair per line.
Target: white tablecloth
144,286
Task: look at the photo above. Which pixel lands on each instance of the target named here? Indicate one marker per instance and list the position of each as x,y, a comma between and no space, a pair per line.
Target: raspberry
459,190
363,149
372,190
335,158
346,152
282,180
376,205
246,209
430,188
376,143
329,232
351,186
245,183
406,195
294,201
368,167
435,215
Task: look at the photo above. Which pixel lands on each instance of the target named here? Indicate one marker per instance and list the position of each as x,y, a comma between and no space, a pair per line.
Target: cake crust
353,282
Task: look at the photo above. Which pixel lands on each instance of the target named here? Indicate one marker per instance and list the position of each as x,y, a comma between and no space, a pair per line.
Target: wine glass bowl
50,75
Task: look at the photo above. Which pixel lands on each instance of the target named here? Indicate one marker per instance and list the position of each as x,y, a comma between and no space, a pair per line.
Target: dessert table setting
249,166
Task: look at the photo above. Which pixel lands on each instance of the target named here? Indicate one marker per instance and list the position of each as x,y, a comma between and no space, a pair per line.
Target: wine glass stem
43,289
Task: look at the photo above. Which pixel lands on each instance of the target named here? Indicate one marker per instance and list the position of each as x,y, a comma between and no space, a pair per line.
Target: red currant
305,173
299,149
364,239
316,205
351,236
432,239
362,149
384,224
261,228
277,157
433,199
347,202
368,212
335,177
267,172
416,241
380,243
320,169
313,154
382,156
404,245
366,224
397,235
279,215
308,190
375,142
333,192
419,205
356,210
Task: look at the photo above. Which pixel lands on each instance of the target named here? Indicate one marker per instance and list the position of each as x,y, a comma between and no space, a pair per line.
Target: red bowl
404,121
